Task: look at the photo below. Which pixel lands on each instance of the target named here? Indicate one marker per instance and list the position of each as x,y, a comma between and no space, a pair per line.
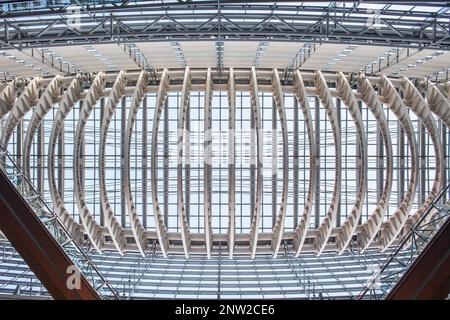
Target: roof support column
144,161
166,163
61,161
295,164
274,162
123,123
317,132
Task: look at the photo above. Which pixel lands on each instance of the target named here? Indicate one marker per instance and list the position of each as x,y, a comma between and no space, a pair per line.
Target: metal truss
412,244
154,276
399,96
108,22
79,253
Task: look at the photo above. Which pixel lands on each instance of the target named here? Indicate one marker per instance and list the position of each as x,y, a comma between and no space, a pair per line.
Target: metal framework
202,233
154,276
201,19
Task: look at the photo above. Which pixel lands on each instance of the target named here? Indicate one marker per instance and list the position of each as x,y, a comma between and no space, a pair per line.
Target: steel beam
36,245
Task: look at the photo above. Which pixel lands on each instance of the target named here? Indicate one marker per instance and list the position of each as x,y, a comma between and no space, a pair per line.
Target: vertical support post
166,163
423,168
82,159
274,163
358,163
40,152
252,165
338,112
144,161
19,145
401,163
60,169
187,155
102,113
317,132
295,164
123,121
444,131
380,164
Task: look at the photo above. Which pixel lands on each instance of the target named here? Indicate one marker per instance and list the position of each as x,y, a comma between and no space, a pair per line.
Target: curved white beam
184,102
90,225
391,228
372,225
136,226
27,99
324,230
438,103
348,228
302,98
70,97
256,111
44,104
231,162
207,162
161,230
7,98
115,229
277,93
414,100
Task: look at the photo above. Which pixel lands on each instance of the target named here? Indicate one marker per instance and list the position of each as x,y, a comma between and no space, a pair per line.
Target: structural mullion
166,163
338,112
60,170
123,121
144,161
295,164
274,163
317,132
102,113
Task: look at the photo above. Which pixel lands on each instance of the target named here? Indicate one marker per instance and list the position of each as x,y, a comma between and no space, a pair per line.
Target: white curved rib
348,228
417,104
70,97
207,162
7,98
161,230
256,110
184,101
136,226
23,104
372,225
438,103
231,162
324,230
391,228
44,104
115,229
278,229
90,225
302,98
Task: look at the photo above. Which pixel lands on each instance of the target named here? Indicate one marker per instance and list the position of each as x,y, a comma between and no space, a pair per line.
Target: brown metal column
36,245
429,276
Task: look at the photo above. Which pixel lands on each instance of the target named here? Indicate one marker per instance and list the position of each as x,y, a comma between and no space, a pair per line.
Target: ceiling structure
199,215
51,37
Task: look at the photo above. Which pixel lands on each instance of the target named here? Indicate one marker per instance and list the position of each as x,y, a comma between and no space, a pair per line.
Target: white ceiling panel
323,54
199,53
159,54
279,54
239,54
